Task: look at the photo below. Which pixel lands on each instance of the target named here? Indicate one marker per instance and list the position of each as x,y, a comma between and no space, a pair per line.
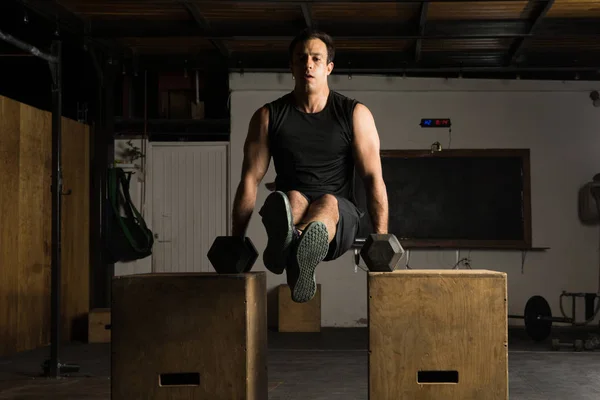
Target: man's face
309,64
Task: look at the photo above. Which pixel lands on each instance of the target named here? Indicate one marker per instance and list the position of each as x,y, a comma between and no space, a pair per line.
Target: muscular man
318,138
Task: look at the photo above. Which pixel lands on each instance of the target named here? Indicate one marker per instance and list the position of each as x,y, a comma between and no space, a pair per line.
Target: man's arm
255,165
368,165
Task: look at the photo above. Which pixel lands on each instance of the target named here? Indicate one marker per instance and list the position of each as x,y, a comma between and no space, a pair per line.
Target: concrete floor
330,365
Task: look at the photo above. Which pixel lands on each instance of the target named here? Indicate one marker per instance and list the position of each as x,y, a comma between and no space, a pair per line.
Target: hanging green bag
128,237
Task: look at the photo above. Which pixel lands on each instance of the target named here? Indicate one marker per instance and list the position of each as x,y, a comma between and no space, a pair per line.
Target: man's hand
255,165
368,166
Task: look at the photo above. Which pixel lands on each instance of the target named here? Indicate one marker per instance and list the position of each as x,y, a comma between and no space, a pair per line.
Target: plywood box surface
438,334
298,317
99,325
189,336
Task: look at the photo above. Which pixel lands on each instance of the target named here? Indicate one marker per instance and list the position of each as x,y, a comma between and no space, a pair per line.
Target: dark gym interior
487,113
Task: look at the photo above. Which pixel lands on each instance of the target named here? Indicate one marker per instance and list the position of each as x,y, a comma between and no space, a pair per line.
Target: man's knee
296,197
327,204
328,200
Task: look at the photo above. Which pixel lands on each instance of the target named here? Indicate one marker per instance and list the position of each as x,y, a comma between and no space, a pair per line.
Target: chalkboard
460,198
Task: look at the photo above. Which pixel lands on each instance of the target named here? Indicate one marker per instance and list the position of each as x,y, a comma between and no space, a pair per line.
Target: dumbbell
382,252
232,254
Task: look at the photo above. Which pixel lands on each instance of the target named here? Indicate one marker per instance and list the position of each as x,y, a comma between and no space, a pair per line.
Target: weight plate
536,328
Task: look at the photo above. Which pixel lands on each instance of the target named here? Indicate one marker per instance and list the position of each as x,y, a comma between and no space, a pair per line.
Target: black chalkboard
463,198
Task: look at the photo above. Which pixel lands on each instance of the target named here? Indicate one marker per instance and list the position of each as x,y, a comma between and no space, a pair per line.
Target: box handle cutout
437,377
180,379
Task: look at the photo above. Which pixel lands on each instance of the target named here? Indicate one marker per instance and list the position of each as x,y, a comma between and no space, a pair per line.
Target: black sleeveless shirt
312,152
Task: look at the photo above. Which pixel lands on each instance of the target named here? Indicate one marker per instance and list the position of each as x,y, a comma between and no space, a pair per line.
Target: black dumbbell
232,254
382,252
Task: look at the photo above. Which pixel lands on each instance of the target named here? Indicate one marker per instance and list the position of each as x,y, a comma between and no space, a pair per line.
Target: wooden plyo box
438,334
189,336
298,317
99,325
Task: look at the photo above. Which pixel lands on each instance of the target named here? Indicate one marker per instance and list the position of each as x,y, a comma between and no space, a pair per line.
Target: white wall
555,120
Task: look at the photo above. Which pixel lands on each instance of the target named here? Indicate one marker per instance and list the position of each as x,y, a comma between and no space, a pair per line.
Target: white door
189,204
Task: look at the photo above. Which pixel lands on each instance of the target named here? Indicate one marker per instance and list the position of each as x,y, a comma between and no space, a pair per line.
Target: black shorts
348,226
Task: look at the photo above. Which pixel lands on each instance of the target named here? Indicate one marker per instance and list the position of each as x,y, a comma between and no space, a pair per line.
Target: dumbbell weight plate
232,255
252,254
538,329
382,252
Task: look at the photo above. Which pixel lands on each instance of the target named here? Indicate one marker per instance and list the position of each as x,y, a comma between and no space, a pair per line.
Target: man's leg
278,221
299,203
324,210
280,213
318,229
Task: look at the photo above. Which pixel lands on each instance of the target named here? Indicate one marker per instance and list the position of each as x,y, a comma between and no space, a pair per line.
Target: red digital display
435,123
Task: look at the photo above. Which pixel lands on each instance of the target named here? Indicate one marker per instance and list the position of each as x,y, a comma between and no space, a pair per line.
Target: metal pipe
27,47
374,38
433,69
299,2
56,69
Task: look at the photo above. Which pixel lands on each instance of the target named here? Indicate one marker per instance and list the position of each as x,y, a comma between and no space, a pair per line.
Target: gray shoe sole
277,218
310,250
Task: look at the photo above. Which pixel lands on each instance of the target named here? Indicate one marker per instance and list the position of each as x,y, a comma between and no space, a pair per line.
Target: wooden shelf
475,248
358,243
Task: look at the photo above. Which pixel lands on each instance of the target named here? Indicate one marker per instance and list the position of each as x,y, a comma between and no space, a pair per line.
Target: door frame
146,209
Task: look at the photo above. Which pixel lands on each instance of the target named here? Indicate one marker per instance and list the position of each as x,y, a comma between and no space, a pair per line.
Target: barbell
538,318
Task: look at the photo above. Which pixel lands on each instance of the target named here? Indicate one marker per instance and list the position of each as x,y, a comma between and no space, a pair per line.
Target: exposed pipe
432,69
27,47
56,69
298,2
197,88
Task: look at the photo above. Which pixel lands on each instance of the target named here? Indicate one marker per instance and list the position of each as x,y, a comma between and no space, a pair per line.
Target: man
317,139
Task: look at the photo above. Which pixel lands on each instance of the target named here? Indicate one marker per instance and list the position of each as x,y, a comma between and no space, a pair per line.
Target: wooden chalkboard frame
523,154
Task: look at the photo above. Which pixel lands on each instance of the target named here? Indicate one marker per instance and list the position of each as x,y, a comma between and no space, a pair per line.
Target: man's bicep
256,147
366,143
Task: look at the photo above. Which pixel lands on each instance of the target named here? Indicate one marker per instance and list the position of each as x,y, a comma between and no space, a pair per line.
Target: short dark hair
308,34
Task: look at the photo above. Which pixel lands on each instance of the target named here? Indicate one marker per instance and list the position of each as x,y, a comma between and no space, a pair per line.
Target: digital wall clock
435,123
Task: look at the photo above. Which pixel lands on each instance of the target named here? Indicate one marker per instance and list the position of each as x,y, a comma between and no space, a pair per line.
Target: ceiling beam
367,30
307,15
517,47
68,22
298,2
192,8
422,23
56,13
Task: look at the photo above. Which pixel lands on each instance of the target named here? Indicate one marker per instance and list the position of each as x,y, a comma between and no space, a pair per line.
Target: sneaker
277,218
309,250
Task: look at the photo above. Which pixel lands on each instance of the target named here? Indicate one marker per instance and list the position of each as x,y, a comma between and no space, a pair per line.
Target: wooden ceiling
371,36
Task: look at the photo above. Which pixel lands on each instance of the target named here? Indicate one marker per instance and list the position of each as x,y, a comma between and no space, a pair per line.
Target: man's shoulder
339,96
344,100
345,104
280,101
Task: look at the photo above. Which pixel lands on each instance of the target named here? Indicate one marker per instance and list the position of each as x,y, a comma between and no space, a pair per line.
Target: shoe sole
311,249
278,221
